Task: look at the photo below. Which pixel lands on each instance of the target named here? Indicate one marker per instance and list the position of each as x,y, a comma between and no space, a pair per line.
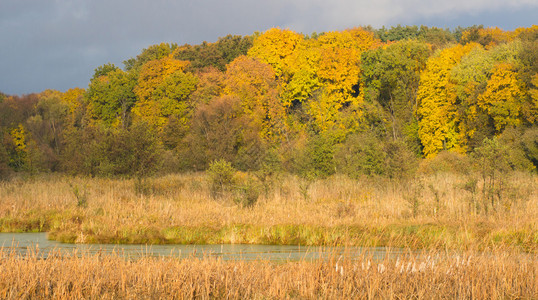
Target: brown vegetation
435,211
433,275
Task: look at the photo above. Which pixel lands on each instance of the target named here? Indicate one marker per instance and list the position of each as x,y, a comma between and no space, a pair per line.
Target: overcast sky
57,44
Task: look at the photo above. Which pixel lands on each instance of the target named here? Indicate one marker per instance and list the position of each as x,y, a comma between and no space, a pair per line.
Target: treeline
361,102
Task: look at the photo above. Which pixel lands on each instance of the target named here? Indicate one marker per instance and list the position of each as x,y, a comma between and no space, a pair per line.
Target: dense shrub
400,160
246,190
521,147
221,177
133,151
5,170
316,159
361,154
445,162
367,154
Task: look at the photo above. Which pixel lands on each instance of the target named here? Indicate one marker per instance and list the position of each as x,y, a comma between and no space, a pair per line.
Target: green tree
111,97
316,159
5,170
361,154
132,152
391,77
216,55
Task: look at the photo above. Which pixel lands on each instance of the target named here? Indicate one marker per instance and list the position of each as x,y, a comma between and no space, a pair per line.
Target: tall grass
437,211
432,275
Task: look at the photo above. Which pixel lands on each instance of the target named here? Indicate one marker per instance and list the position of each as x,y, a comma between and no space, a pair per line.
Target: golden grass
429,212
432,275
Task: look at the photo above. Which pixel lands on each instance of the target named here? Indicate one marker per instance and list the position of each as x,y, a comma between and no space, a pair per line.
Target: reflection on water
23,243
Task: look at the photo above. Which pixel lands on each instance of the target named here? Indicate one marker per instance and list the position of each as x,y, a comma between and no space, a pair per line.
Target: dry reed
432,275
431,212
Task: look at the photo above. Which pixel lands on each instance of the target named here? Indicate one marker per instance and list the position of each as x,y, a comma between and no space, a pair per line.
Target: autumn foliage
358,101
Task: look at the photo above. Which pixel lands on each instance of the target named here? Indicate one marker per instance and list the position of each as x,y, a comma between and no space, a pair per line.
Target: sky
57,44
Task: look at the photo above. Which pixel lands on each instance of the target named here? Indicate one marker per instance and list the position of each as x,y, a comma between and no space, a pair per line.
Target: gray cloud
58,43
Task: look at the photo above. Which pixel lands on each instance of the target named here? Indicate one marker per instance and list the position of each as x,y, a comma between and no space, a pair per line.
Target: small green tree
221,177
492,162
4,161
317,158
361,154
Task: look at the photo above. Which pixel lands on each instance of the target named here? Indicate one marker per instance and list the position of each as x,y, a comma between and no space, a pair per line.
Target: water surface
25,243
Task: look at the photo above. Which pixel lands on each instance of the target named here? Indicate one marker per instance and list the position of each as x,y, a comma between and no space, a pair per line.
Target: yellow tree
160,83
503,96
72,98
339,74
275,48
338,70
254,83
19,138
436,96
321,74
210,85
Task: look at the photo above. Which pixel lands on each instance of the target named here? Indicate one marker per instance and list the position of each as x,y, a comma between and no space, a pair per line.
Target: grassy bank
437,211
433,275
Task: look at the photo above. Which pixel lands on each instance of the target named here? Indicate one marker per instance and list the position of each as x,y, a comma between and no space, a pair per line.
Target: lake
24,243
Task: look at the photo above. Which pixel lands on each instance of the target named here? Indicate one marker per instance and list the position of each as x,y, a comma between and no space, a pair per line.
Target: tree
163,89
131,152
210,85
219,130
391,77
275,48
104,70
15,110
216,55
47,125
5,170
323,77
470,77
338,106
531,110
154,52
316,159
254,83
111,97
503,96
436,97
487,37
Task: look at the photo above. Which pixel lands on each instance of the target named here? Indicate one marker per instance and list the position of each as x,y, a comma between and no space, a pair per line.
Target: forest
361,102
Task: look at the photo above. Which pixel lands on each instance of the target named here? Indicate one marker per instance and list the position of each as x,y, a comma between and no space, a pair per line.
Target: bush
226,183
5,170
529,144
221,178
361,154
445,162
316,159
521,147
400,160
246,191
132,152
